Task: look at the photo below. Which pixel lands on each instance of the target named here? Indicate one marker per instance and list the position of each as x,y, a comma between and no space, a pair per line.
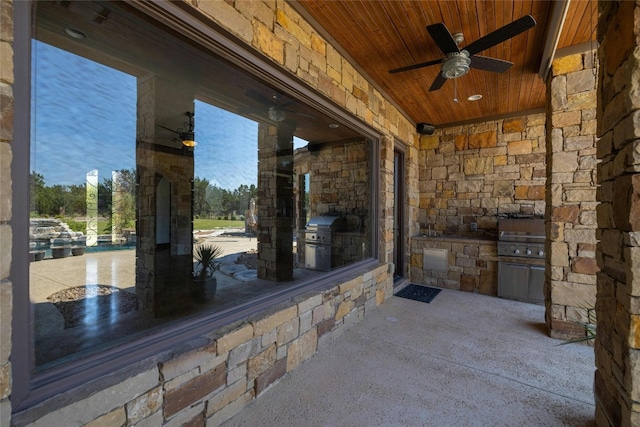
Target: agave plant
206,257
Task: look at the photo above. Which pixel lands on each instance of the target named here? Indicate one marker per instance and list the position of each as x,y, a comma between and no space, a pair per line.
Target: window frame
29,389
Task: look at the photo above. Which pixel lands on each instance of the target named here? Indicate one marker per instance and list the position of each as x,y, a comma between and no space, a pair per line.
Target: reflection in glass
113,229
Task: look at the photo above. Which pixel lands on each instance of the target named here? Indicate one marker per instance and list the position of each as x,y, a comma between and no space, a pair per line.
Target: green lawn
198,224
210,224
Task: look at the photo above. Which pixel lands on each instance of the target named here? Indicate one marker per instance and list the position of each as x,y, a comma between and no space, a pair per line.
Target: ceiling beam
557,17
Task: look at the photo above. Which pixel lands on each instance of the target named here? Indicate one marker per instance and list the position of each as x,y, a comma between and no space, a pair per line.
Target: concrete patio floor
462,360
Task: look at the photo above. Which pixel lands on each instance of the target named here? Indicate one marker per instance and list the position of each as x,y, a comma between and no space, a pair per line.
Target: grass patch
210,224
198,224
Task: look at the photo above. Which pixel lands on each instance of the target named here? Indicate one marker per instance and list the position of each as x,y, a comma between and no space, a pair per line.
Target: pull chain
455,90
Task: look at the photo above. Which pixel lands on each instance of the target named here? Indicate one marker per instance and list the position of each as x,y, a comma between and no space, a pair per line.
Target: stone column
617,348
163,269
275,202
9,387
570,289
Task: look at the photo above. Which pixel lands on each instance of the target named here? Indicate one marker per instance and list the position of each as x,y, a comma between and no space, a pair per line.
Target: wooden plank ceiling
382,35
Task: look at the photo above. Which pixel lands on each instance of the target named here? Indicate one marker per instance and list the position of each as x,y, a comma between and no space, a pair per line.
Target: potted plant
204,284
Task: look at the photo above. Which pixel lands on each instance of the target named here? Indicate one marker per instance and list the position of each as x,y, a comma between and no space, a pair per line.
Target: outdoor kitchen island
465,263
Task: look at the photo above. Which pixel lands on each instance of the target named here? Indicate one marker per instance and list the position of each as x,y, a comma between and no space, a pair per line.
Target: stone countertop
448,237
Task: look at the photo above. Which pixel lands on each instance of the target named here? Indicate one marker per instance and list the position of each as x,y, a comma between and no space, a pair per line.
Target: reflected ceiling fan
459,61
274,108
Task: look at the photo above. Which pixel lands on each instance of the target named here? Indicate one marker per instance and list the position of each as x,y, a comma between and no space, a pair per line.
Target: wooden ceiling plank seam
450,21
572,25
507,16
396,33
584,31
419,21
469,19
534,40
479,83
516,46
388,31
404,34
532,57
491,87
527,82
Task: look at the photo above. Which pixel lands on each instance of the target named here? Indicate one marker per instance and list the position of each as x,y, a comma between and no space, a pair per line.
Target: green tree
40,204
126,208
201,206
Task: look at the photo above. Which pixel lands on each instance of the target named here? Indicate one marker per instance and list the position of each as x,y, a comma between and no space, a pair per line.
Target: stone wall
471,264
617,348
275,202
6,195
571,194
478,172
163,272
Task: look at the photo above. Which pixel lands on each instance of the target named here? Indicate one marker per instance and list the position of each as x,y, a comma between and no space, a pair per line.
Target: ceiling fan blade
443,38
501,34
172,130
490,64
414,66
437,82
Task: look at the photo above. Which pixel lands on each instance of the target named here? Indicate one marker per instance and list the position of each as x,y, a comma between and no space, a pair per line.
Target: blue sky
84,116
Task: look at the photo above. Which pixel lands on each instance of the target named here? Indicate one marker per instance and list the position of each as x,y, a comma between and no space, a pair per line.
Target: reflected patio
101,308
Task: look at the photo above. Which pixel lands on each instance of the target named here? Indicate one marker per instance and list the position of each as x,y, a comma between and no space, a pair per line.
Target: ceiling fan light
187,139
457,65
276,114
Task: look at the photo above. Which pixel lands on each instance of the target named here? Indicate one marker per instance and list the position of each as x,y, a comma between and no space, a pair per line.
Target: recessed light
475,97
334,126
76,34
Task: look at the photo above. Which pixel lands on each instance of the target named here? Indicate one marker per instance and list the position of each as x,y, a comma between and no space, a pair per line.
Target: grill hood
333,222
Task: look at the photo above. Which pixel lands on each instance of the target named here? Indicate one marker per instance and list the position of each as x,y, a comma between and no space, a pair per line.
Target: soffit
383,35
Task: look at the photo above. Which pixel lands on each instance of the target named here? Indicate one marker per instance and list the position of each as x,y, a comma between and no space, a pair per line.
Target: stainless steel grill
318,238
521,262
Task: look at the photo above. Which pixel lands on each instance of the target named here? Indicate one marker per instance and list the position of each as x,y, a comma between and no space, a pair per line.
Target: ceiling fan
459,61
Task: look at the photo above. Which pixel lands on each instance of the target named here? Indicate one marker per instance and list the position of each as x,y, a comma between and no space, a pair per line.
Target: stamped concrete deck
462,360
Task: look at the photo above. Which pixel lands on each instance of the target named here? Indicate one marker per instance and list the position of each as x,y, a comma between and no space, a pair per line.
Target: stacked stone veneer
472,264
571,194
209,380
213,377
339,179
478,172
275,202
340,184
163,275
617,348
6,204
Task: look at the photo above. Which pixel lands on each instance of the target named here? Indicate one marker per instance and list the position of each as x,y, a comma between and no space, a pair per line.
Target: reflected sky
83,118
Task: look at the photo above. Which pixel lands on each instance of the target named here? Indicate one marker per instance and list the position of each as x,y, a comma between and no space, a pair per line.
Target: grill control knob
528,252
540,252
517,252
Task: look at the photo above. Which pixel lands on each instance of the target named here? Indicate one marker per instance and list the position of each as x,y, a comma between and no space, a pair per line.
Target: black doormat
419,293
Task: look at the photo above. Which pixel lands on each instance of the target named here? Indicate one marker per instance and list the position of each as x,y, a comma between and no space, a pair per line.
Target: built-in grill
318,238
521,259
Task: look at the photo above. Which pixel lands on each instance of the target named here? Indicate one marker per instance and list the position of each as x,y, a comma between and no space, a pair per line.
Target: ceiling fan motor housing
456,65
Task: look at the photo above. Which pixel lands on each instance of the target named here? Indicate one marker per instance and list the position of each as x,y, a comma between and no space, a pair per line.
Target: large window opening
122,211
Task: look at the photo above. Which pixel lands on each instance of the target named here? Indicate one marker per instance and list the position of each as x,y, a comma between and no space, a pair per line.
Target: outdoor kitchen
337,232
